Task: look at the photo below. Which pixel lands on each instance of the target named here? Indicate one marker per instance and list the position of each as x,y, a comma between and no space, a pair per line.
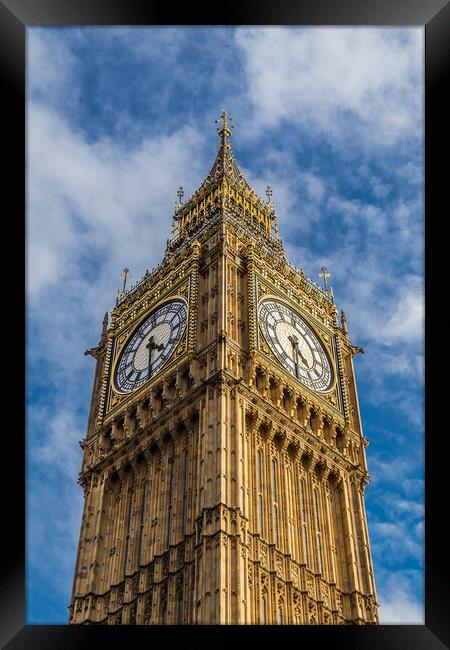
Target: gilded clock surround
223,490
126,328
123,339
325,338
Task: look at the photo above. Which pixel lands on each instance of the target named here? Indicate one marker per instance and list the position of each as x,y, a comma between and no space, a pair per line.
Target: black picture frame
434,15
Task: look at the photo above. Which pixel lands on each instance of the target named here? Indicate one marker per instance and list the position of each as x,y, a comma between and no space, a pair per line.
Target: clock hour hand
151,345
297,352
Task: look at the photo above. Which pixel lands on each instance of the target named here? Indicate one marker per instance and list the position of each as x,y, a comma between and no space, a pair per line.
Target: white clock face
295,345
151,345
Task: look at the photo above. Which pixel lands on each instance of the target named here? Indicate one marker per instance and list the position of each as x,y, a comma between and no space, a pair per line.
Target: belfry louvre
224,463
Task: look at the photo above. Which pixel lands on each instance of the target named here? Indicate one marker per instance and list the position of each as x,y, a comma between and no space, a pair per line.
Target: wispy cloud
100,194
401,598
52,69
304,76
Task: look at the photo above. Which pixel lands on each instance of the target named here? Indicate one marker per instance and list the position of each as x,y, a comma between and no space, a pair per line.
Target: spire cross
125,277
269,193
324,275
180,194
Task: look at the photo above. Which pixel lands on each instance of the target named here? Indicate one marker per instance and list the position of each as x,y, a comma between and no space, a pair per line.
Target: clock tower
224,462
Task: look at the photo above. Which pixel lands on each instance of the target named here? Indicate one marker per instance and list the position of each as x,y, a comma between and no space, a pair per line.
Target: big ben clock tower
224,462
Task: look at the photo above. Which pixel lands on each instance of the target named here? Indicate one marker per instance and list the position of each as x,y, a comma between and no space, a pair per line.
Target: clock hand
304,361
297,353
151,345
294,341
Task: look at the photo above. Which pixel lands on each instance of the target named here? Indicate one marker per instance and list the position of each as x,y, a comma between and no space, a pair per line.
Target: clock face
151,345
295,345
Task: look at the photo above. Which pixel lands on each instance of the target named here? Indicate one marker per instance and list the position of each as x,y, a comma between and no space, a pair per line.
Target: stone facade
223,490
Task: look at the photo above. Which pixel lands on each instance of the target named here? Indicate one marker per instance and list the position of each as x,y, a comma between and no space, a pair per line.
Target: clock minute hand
294,341
303,359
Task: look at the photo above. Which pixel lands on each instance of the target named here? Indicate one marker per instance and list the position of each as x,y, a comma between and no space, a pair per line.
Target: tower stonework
224,463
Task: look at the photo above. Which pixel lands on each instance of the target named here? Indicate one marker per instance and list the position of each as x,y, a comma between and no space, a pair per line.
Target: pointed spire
225,164
224,185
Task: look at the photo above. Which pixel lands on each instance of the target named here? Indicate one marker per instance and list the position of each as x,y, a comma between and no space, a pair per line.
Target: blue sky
332,119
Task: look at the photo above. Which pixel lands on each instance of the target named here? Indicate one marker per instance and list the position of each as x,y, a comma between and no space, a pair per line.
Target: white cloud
388,471
382,309
162,43
51,67
101,195
410,173
396,540
411,508
336,80
399,608
44,262
413,487
58,448
407,322
400,599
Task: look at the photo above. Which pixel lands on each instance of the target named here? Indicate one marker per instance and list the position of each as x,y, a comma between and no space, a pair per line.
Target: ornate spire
225,164
225,184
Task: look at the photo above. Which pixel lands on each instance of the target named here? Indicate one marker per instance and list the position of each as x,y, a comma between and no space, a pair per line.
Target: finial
269,194
125,277
224,132
105,324
180,195
344,322
324,275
